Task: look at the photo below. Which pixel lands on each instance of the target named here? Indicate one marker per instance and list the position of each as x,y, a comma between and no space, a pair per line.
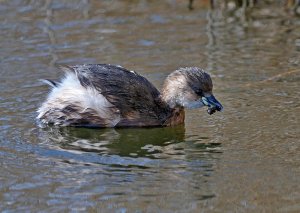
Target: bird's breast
176,118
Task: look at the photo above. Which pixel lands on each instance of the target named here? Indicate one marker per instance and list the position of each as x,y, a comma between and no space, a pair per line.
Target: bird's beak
212,103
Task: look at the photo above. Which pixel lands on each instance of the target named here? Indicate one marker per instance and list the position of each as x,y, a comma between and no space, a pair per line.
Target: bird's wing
133,95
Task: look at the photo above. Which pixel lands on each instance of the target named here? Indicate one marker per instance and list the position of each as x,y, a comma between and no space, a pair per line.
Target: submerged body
101,95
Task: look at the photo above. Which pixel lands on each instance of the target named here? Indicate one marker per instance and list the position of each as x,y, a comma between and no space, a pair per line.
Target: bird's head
190,88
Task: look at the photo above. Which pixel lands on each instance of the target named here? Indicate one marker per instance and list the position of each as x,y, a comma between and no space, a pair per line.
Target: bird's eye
199,92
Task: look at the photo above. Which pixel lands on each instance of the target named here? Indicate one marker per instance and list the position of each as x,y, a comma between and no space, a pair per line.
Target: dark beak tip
212,110
219,108
213,104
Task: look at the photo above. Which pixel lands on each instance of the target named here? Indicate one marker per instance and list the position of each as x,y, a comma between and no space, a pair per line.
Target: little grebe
103,95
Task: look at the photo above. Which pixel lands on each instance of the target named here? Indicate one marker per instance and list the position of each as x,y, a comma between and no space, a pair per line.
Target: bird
105,95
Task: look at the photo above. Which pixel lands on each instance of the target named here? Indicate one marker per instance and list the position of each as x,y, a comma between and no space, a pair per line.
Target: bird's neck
169,98
174,114
169,94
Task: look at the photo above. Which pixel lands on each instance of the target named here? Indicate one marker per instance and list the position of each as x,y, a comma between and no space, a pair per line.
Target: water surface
245,159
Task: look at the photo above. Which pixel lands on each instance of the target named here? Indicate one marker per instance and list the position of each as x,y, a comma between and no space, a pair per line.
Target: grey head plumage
190,87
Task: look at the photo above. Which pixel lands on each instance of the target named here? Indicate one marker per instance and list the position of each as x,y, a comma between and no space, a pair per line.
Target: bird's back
103,95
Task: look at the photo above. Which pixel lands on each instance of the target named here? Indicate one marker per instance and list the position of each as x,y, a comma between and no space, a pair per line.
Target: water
245,159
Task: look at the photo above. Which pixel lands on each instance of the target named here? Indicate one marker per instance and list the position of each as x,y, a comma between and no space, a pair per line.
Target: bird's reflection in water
164,156
131,142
